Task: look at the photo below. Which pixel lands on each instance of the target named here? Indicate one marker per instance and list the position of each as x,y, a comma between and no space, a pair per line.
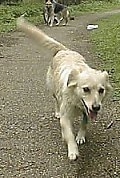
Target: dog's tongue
92,115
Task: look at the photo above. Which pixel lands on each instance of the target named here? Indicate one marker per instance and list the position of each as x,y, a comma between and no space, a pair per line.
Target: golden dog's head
90,87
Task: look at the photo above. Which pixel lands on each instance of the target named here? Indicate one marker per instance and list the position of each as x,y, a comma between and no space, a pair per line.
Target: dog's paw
73,156
73,152
57,24
80,140
64,24
57,115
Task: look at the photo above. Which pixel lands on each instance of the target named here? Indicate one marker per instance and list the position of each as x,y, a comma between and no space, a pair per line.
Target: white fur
77,88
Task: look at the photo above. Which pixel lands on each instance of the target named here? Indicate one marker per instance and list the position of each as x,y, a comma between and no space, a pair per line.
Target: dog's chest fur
49,10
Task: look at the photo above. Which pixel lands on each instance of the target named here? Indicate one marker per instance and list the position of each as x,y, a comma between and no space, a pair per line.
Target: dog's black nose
95,107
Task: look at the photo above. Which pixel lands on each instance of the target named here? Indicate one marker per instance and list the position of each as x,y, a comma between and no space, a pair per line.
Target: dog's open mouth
90,113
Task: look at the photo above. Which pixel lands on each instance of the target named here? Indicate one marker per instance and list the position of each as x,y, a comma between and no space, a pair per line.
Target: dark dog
47,15
55,12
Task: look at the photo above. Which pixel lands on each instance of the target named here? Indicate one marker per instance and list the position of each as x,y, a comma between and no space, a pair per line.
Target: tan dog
77,88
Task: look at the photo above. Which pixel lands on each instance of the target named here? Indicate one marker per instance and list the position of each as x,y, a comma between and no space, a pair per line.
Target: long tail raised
39,36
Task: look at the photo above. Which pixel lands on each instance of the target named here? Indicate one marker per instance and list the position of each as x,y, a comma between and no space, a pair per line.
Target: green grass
8,14
106,43
92,7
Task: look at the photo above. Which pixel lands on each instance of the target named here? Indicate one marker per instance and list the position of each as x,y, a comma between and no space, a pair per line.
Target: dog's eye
101,91
86,90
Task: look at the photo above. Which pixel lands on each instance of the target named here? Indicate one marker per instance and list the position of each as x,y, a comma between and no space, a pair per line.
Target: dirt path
30,143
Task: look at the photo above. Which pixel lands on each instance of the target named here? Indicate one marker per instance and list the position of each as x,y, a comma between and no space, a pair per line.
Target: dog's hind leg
58,17
50,86
66,21
65,17
57,107
58,22
82,132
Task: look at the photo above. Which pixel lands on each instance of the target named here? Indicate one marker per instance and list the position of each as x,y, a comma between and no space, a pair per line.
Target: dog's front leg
82,132
58,19
52,20
68,136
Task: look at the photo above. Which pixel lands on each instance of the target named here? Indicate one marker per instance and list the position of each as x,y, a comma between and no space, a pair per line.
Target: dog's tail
39,36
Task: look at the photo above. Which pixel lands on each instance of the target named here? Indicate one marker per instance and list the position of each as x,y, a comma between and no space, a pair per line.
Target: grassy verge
106,42
8,14
95,6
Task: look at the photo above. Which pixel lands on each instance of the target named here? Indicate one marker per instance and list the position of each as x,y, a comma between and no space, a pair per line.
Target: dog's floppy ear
72,78
106,78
